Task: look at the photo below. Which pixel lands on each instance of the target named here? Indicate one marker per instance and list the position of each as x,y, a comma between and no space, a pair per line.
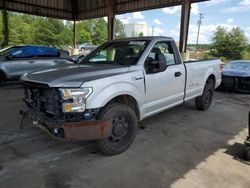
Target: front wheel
124,122
2,81
204,101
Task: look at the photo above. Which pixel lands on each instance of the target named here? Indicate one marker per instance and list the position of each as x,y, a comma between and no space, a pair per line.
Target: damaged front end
56,111
241,84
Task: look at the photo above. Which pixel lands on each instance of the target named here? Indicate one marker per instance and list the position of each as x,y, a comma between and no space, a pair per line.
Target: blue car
236,76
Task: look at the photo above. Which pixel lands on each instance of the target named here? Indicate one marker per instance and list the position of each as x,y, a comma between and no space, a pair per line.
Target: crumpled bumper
80,130
83,130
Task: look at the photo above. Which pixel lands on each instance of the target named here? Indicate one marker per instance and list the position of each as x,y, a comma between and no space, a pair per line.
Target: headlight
74,99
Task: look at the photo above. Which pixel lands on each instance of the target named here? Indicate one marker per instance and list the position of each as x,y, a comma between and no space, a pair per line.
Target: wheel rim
120,131
208,97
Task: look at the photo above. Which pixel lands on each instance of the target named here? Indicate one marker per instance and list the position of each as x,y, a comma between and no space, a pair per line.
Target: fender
208,73
4,72
100,99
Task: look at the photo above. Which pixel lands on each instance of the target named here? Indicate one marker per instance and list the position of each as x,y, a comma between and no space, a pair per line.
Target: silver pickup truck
115,86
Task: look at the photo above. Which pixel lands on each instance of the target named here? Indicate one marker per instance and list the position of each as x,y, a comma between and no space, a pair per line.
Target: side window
163,49
48,52
159,58
104,55
26,52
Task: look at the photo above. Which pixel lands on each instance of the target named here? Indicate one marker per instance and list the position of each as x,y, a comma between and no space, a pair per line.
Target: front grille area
42,99
228,81
243,83
237,83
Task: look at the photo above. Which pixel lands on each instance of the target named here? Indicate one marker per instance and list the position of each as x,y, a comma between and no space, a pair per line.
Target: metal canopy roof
83,9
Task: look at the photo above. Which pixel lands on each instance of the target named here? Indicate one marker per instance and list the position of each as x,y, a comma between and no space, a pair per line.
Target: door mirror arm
9,57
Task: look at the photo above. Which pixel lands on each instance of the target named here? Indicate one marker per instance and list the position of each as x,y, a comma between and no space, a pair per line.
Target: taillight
221,67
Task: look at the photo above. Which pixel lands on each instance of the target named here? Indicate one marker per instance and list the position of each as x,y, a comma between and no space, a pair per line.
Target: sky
166,21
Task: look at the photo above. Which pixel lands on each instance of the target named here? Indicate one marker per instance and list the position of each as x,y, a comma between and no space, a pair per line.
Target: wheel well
128,100
2,75
211,77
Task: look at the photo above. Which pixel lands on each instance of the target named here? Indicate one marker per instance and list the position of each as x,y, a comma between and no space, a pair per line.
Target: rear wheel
204,102
124,128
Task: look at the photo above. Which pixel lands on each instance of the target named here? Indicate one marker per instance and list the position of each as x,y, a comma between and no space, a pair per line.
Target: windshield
122,53
6,51
245,66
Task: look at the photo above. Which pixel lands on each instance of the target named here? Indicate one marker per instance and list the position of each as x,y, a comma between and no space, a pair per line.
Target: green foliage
247,53
229,44
27,29
119,29
141,34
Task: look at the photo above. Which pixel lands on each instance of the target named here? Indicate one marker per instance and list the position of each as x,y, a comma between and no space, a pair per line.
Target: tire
2,80
204,101
247,154
125,124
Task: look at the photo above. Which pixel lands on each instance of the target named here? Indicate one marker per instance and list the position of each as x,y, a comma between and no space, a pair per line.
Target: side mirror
153,66
9,57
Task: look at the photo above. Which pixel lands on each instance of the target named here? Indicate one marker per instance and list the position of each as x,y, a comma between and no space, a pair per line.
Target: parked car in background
87,46
77,58
17,60
236,76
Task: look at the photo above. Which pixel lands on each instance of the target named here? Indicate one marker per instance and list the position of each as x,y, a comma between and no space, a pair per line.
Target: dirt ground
181,147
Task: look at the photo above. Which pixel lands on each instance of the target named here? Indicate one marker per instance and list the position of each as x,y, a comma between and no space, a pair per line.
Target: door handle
137,77
31,61
177,74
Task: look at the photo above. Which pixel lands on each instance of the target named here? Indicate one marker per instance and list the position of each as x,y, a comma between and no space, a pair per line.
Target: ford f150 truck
115,86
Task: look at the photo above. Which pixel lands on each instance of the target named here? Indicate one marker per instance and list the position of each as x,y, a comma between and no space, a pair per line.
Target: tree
27,29
119,29
229,44
100,31
141,34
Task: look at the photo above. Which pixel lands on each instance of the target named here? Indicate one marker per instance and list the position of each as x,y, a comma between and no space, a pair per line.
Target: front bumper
72,131
241,84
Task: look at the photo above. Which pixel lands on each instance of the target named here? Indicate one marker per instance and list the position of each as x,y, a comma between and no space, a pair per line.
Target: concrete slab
181,147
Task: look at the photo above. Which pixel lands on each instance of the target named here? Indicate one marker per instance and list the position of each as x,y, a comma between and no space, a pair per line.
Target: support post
111,19
5,25
185,17
74,34
74,15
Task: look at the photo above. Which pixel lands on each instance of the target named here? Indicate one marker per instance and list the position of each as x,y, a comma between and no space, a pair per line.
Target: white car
87,46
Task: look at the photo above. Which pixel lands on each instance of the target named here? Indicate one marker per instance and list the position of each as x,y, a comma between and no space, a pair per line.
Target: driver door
164,88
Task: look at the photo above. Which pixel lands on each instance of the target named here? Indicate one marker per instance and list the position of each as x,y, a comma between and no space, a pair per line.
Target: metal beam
185,17
111,18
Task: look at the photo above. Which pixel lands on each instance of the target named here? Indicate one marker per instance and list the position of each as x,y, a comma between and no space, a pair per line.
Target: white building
134,29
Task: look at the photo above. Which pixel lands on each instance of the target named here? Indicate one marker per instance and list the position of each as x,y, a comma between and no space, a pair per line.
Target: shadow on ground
172,144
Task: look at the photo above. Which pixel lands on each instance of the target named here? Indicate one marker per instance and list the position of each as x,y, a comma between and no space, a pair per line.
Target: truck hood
73,75
236,73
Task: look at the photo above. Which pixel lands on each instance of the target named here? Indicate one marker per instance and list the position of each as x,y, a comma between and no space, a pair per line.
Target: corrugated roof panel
91,9
84,9
124,6
50,8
